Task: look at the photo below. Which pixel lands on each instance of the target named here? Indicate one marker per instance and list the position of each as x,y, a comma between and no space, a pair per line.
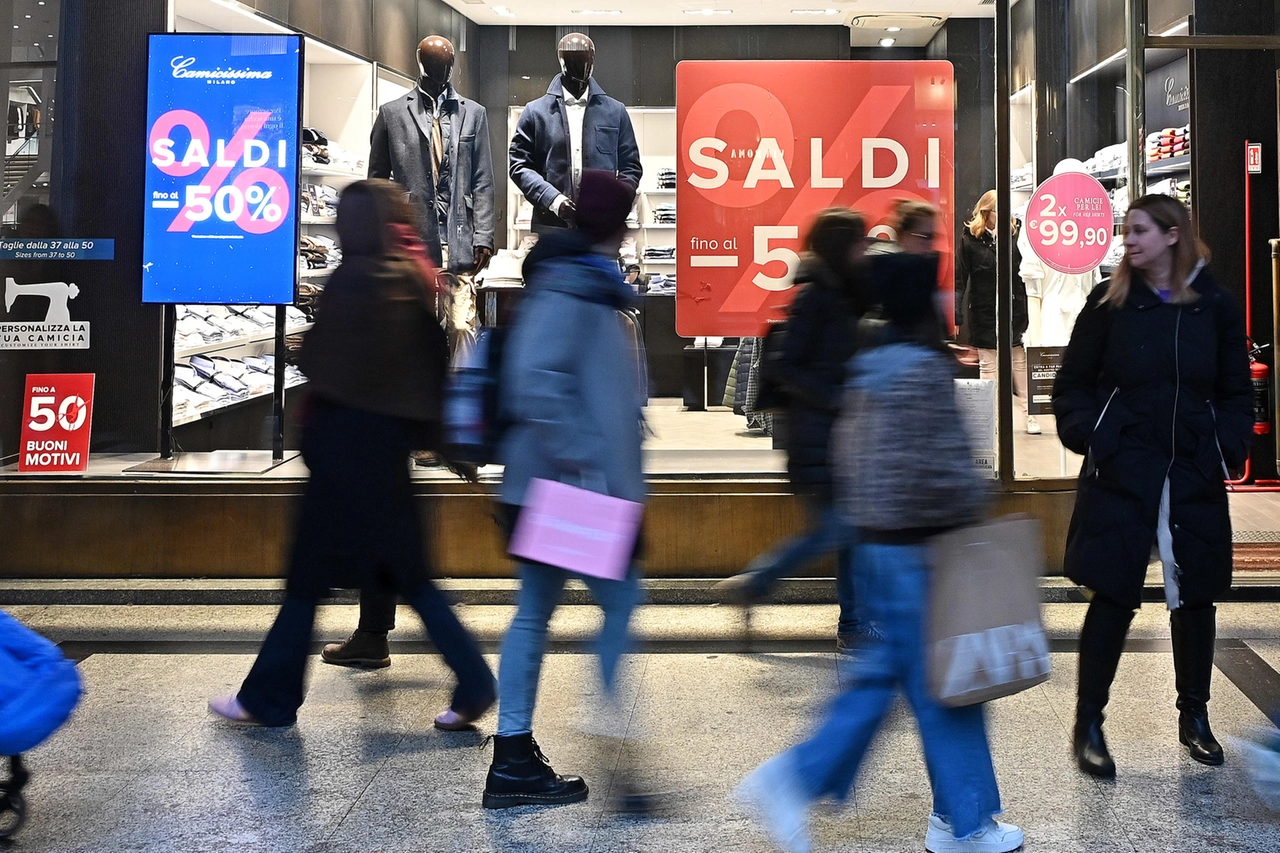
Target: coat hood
879,367
563,261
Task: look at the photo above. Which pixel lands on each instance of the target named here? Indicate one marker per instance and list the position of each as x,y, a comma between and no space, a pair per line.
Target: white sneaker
1033,426
994,837
771,795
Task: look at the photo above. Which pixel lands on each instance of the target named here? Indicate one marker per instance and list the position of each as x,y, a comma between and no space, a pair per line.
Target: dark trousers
274,689
377,611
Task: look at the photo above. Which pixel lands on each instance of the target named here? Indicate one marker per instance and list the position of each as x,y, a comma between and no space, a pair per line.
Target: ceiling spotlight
893,29
887,42
503,12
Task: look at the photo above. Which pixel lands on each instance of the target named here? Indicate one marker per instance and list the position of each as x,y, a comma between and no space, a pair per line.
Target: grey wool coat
400,149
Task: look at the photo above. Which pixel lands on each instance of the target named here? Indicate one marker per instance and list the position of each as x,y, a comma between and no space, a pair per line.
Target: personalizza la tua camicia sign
763,146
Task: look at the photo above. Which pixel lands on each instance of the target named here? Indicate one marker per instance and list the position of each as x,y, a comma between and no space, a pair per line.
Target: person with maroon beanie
573,389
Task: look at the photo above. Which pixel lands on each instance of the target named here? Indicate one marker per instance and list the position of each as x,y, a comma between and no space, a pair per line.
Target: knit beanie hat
603,203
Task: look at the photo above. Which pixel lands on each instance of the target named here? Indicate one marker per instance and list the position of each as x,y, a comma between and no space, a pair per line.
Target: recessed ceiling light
887,42
708,11
26,16
524,77
893,29
815,11
597,11
503,12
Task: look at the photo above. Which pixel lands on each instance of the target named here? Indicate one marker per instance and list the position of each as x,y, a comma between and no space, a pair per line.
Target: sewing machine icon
57,292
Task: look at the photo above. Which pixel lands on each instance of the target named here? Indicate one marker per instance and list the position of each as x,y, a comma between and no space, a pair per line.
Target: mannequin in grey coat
557,140
453,200
457,210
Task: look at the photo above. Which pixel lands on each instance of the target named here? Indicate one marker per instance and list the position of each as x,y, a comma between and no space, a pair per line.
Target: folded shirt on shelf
659,253
664,214
661,285
1106,159
666,178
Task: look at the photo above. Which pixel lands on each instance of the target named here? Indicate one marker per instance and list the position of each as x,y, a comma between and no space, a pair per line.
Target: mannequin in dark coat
1154,392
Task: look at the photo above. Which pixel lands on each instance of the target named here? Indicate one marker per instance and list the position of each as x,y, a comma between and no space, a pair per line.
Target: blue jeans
541,587
893,581
828,532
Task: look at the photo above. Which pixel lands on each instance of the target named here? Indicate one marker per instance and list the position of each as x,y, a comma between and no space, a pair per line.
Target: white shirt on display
576,111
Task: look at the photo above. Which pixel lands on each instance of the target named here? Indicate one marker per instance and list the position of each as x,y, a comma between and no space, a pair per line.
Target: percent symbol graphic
260,200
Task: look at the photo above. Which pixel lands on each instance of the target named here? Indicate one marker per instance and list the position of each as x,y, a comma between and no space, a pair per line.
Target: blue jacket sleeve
629,167
379,149
482,184
524,163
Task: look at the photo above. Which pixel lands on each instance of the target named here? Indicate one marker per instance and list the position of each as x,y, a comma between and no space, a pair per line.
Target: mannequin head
577,58
435,58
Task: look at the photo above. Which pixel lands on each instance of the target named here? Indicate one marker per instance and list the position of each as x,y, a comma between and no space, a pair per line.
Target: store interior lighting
1119,54
887,42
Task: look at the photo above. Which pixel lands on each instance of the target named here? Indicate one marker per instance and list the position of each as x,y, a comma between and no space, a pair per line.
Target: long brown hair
978,222
909,213
1167,213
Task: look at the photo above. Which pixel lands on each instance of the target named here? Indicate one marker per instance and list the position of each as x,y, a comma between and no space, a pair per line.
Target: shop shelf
322,172
239,342
1172,166
323,272
218,410
671,191
319,220
657,225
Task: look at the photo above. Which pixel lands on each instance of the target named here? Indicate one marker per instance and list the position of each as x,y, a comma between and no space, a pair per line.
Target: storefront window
30,73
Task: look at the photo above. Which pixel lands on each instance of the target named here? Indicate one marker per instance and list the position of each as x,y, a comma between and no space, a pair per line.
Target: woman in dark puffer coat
1154,392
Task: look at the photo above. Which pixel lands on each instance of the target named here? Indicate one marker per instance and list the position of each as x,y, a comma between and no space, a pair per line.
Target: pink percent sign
217,174
1069,223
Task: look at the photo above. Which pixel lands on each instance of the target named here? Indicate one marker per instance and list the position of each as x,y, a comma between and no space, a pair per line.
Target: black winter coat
820,338
976,291
1148,391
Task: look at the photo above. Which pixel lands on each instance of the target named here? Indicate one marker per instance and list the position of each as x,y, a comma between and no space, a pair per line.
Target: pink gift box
577,529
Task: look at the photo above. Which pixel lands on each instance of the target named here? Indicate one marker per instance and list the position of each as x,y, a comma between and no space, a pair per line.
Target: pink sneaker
229,708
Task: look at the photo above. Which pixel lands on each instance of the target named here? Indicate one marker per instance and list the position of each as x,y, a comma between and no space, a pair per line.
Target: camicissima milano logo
182,70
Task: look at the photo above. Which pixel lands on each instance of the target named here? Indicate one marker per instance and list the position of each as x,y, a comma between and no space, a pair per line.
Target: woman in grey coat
571,386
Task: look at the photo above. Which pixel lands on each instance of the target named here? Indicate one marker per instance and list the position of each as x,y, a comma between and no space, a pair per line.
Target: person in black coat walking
1154,392
375,360
976,300
819,338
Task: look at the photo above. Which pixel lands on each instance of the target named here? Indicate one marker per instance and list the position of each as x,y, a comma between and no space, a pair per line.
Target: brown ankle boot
366,649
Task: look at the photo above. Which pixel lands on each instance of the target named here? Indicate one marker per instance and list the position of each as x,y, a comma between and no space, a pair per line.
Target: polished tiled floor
143,766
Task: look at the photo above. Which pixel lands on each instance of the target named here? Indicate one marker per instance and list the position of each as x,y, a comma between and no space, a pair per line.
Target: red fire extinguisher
1261,376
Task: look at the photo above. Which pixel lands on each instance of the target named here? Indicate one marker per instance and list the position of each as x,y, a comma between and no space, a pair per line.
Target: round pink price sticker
1069,223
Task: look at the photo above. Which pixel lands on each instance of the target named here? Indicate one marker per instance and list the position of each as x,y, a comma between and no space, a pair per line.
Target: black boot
365,649
520,775
1101,644
1193,637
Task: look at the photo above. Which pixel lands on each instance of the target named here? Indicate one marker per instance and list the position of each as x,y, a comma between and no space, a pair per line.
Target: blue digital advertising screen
222,169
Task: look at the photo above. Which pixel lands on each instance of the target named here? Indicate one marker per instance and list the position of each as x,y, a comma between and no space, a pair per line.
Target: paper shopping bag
576,529
986,638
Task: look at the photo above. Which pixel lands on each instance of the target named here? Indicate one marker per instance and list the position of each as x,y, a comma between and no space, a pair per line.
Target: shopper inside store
517,425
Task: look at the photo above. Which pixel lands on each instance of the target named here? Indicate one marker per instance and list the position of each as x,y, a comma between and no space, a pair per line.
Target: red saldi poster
763,146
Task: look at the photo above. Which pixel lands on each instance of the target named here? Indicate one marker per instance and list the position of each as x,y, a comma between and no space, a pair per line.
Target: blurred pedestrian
1154,392
976,302
376,360
904,473
818,340
572,386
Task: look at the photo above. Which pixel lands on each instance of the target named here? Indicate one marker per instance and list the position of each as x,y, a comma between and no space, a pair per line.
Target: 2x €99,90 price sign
764,146
222,169
57,417
1069,223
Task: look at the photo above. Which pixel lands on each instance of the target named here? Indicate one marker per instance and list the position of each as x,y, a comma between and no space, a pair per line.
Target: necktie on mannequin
437,147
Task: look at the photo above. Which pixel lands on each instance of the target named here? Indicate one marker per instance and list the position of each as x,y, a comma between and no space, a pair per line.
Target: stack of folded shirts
633,218
308,297
1182,192
627,251
662,285
524,213
664,214
319,252
1114,253
1107,159
1168,143
1022,177
666,179
505,269
659,253
192,331
319,200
